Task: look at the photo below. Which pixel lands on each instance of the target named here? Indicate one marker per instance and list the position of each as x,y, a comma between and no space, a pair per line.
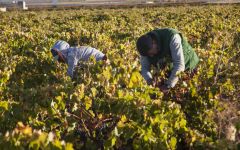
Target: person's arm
178,60
98,55
72,63
145,70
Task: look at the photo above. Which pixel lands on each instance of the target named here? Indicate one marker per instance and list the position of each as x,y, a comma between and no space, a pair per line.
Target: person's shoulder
72,51
88,49
84,47
81,48
76,48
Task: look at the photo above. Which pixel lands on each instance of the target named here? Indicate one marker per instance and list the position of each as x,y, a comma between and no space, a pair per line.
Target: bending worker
162,47
62,52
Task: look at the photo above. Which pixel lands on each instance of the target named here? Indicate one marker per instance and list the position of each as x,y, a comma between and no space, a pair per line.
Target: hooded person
62,52
162,47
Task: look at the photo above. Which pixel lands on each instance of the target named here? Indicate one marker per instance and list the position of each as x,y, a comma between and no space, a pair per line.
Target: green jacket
164,37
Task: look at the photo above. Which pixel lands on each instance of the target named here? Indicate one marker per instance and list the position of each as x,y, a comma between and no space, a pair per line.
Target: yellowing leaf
3,105
123,118
69,146
182,123
88,102
27,130
20,125
94,92
173,143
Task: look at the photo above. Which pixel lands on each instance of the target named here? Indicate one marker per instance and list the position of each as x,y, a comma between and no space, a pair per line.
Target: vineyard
110,106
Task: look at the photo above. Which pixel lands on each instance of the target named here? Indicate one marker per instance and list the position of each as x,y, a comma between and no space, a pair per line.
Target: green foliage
110,106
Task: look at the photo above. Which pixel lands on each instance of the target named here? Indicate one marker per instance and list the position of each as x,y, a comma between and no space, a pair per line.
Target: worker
62,52
166,47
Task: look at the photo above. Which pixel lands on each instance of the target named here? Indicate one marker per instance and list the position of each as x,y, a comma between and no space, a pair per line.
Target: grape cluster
81,133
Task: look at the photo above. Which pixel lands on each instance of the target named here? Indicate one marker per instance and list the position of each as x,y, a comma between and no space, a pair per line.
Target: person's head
57,55
147,46
57,48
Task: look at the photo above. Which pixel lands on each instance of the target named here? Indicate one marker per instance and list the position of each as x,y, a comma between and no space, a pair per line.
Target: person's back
85,52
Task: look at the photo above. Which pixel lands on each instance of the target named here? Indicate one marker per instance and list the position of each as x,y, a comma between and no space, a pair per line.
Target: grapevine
110,106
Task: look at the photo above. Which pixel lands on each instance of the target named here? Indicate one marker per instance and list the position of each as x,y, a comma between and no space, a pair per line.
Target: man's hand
150,82
160,85
106,60
164,89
